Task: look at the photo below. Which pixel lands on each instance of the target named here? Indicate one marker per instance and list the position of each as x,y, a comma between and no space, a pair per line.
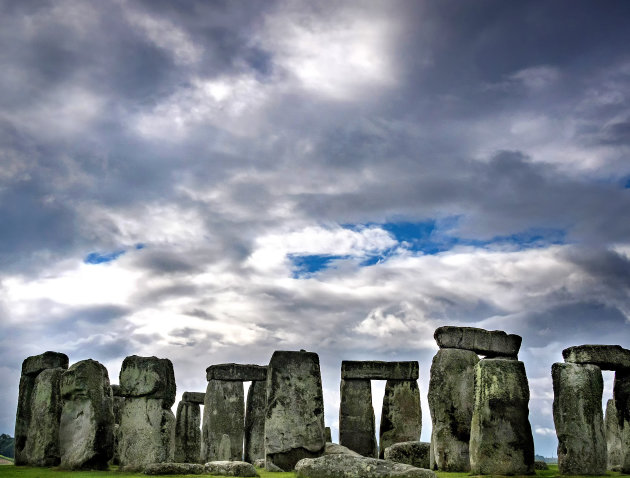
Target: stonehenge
614,446
187,430
401,416
254,442
356,417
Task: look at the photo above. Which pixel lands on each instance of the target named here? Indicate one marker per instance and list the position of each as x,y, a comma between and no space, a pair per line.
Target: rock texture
621,394
577,414
86,430
255,421
334,449
328,434
230,468
613,436
118,404
149,377
451,399
294,421
36,364
501,441
188,433
606,357
414,453
401,416
236,372
223,414
174,469
491,343
194,397
376,370
342,466
357,429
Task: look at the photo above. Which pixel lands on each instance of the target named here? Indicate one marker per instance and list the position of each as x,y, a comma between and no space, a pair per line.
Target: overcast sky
213,181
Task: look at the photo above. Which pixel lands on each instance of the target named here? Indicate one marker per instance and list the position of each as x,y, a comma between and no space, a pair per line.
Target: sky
212,181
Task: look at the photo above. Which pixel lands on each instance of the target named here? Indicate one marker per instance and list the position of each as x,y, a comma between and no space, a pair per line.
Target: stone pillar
613,437
356,417
577,414
401,417
223,414
621,394
39,409
117,408
501,439
451,399
147,424
86,432
255,421
294,420
188,433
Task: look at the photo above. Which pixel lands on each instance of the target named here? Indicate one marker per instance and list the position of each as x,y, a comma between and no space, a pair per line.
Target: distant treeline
7,445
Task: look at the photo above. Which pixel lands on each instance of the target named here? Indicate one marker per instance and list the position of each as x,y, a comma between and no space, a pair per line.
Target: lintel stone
606,357
377,370
236,372
194,397
37,363
491,343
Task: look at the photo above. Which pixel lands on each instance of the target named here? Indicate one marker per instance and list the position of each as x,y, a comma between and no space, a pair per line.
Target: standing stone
147,424
255,421
613,437
31,368
501,439
294,422
224,413
356,417
621,394
118,403
577,414
401,417
328,434
451,399
188,433
86,431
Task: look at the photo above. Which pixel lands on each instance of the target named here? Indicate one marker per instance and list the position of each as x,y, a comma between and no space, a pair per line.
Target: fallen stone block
334,449
194,397
236,372
377,370
490,343
339,466
230,468
174,469
606,357
414,453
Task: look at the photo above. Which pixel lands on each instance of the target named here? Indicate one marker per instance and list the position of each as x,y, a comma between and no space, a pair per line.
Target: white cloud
544,431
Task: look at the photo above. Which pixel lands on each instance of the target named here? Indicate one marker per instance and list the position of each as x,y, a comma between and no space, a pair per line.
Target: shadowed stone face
577,414
255,421
613,436
491,343
621,394
188,433
223,414
414,453
376,370
356,417
606,357
236,372
194,397
401,417
38,363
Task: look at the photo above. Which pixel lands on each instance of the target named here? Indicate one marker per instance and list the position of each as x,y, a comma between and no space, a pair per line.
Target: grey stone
187,433
194,397
230,468
577,414
414,453
225,448
223,413
259,463
357,430
328,434
540,465
269,466
451,399
42,442
147,433
255,421
237,372
86,430
401,417
294,422
621,394
491,343
613,436
36,364
116,391
118,404
334,449
345,466
174,469
149,377
501,441
377,370
606,357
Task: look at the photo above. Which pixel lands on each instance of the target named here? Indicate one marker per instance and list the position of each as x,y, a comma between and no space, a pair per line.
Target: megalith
255,421
188,433
86,430
621,395
577,415
294,420
117,407
39,410
613,437
357,429
501,441
401,416
490,343
223,414
147,424
451,398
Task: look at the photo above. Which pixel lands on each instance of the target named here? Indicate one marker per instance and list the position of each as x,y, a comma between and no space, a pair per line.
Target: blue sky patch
102,257
307,265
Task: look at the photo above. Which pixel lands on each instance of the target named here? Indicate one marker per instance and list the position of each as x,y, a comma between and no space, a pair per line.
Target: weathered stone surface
501,441
42,442
451,399
606,357
540,465
345,466
269,466
613,436
149,377
236,372
294,423
117,407
174,469
86,430
401,417
577,414
414,453
223,413
491,343
116,390
38,363
334,449
187,433
255,421
147,433
230,468
259,463
328,434
225,448
377,370
357,430
621,394
194,397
